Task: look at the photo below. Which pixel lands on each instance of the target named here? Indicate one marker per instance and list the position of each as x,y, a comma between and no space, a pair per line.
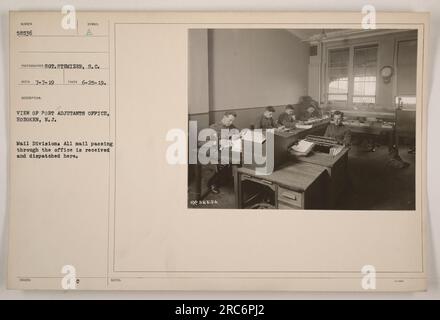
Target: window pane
365,74
364,99
338,75
359,88
338,85
338,57
365,56
370,88
337,97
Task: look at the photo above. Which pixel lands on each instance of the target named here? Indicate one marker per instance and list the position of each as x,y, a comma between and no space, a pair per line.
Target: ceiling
305,34
325,35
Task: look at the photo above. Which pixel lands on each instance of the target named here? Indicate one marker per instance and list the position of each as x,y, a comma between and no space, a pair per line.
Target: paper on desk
254,136
235,144
303,147
303,126
336,150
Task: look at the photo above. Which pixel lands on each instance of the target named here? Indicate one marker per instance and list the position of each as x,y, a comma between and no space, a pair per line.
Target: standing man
287,118
266,120
338,130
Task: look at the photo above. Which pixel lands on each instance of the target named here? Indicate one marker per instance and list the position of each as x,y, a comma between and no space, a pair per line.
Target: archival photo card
263,151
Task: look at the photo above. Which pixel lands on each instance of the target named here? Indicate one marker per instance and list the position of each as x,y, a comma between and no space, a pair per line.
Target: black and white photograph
302,119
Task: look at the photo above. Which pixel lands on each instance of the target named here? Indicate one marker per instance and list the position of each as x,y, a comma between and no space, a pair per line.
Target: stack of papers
302,148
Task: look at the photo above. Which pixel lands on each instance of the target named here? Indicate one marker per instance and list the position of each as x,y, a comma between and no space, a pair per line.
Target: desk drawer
290,198
284,205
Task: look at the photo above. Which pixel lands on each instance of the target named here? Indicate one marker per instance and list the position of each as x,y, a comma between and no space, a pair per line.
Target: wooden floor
374,184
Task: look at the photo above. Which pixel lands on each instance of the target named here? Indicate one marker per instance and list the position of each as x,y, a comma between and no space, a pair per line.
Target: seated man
338,130
223,171
266,121
307,108
287,118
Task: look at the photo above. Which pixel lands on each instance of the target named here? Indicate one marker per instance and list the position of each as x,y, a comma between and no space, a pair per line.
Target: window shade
338,75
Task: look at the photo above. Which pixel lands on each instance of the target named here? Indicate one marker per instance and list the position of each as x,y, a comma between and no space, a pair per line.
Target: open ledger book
98,195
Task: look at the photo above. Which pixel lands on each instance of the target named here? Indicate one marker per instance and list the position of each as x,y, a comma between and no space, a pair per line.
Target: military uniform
341,133
223,171
265,123
286,120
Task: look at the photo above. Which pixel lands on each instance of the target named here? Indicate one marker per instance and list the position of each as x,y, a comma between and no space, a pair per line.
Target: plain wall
198,85
249,69
255,68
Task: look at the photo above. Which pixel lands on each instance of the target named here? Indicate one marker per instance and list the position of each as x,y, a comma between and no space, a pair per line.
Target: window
364,75
352,75
338,75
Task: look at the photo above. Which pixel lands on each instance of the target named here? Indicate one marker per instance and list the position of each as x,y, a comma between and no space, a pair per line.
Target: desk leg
236,186
391,141
198,178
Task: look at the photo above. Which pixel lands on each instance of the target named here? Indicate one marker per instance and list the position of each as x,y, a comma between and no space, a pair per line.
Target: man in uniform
287,118
223,171
338,130
266,120
307,108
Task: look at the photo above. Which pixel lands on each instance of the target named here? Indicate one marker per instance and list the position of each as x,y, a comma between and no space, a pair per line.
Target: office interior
369,75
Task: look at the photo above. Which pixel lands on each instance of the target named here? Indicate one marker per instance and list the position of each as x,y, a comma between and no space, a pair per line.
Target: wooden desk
406,123
297,185
336,167
316,129
372,130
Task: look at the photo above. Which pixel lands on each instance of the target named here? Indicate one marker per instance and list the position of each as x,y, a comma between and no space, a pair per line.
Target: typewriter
324,144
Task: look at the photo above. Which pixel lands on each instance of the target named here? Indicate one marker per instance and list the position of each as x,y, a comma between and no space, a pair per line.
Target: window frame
350,94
